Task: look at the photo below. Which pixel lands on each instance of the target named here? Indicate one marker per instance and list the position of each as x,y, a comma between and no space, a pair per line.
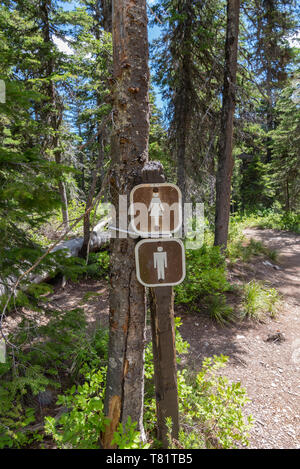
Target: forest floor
268,369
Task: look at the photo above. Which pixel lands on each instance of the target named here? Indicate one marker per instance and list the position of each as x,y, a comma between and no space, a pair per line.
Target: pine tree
27,180
272,23
286,148
187,64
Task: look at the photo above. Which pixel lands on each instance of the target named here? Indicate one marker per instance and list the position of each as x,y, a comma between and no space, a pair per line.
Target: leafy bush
240,249
280,221
98,265
210,407
273,218
215,406
76,209
205,282
80,427
208,404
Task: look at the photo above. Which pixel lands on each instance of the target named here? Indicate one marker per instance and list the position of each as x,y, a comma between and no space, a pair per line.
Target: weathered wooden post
163,339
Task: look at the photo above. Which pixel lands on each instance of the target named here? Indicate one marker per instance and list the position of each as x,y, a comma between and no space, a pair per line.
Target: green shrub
210,407
76,209
238,245
260,300
239,249
214,405
80,427
289,221
205,282
273,218
98,265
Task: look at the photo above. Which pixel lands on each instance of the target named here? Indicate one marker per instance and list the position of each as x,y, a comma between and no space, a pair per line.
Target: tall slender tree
225,159
106,6
125,375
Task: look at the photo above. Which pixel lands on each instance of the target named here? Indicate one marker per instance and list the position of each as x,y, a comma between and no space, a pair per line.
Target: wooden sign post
160,264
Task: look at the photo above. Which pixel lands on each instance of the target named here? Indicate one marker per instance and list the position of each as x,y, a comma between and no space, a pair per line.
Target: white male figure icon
156,209
160,263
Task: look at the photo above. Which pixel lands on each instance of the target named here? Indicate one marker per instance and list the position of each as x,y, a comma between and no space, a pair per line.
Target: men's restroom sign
160,262
156,209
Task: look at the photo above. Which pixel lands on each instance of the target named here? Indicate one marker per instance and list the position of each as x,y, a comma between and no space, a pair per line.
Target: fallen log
99,240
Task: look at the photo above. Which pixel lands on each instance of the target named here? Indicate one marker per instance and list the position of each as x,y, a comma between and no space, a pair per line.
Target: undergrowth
260,300
205,283
60,355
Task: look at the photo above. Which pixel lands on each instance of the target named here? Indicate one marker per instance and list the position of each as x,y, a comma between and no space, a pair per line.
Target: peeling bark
165,366
125,375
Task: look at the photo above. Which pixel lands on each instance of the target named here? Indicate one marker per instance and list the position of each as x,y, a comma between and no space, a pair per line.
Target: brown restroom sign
156,209
160,262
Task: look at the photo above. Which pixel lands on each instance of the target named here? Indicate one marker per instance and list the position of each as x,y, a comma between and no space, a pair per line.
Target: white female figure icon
156,209
160,263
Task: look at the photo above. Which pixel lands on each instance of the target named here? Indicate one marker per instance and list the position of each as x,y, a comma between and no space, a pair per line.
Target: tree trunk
87,217
269,51
64,204
184,96
225,160
287,198
125,375
106,6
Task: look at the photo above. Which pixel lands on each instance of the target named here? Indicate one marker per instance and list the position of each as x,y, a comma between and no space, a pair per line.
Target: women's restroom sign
156,209
160,262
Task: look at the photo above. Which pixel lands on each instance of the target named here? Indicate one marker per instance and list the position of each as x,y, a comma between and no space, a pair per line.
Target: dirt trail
270,371
287,244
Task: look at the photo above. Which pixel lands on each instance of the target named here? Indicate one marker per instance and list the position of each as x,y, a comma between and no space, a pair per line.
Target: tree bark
269,51
125,375
64,204
165,366
225,160
106,6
